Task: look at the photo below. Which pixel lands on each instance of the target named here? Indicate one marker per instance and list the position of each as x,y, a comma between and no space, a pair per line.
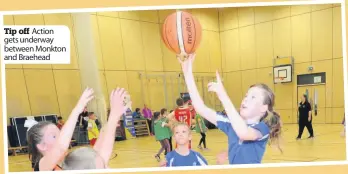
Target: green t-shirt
169,130
161,133
200,123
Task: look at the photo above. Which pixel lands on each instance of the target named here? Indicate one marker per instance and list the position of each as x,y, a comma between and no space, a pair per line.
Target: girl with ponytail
248,130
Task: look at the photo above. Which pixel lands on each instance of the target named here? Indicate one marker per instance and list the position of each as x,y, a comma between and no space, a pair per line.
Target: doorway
317,98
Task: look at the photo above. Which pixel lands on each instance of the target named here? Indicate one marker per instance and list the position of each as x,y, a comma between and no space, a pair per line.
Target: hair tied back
30,122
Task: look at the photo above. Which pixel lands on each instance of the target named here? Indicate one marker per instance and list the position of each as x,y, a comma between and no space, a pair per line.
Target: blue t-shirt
174,159
244,152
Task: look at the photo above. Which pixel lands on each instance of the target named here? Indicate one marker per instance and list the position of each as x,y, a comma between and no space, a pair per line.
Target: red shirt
193,112
183,115
60,125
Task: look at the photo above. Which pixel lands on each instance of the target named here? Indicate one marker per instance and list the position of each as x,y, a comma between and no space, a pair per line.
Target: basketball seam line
195,38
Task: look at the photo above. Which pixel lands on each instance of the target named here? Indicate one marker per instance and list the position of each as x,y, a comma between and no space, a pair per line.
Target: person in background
192,109
169,125
97,122
193,114
182,155
82,121
60,123
93,131
147,113
182,114
162,134
305,117
201,128
136,113
99,156
343,133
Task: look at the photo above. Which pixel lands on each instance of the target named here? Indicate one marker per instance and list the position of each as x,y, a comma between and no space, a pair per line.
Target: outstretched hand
117,104
86,97
216,86
186,62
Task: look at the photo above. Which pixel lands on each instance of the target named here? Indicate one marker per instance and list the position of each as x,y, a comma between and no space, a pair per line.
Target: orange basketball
181,33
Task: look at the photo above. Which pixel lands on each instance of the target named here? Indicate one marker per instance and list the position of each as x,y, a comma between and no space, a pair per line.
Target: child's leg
203,140
166,146
171,143
33,166
200,141
162,148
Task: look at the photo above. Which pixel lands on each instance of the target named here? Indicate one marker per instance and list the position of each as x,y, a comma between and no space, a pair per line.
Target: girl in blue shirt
248,130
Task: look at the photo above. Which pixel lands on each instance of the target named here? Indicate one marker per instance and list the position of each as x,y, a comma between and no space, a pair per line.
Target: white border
3,90
345,64
209,167
247,4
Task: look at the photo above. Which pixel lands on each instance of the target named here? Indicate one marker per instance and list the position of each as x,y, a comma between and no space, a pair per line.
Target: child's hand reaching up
217,86
117,102
105,142
187,62
86,97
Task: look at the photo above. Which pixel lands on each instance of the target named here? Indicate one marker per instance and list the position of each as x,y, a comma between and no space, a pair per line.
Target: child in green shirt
168,124
201,128
161,134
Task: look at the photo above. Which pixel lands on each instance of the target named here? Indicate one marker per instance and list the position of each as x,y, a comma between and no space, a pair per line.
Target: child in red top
182,113
192,109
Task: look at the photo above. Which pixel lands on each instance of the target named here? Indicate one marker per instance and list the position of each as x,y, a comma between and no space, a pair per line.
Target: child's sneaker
158,158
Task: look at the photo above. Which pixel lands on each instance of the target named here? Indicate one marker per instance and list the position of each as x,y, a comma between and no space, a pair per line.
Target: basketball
181,33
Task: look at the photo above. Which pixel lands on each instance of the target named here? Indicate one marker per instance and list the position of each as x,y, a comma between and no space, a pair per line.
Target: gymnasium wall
127,43
252,37
42,89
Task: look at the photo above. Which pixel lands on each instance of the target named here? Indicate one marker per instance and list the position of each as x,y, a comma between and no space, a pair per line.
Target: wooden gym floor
139,152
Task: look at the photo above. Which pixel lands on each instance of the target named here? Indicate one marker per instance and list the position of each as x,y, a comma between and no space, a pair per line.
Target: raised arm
239,125
56,153
197,102
106,140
